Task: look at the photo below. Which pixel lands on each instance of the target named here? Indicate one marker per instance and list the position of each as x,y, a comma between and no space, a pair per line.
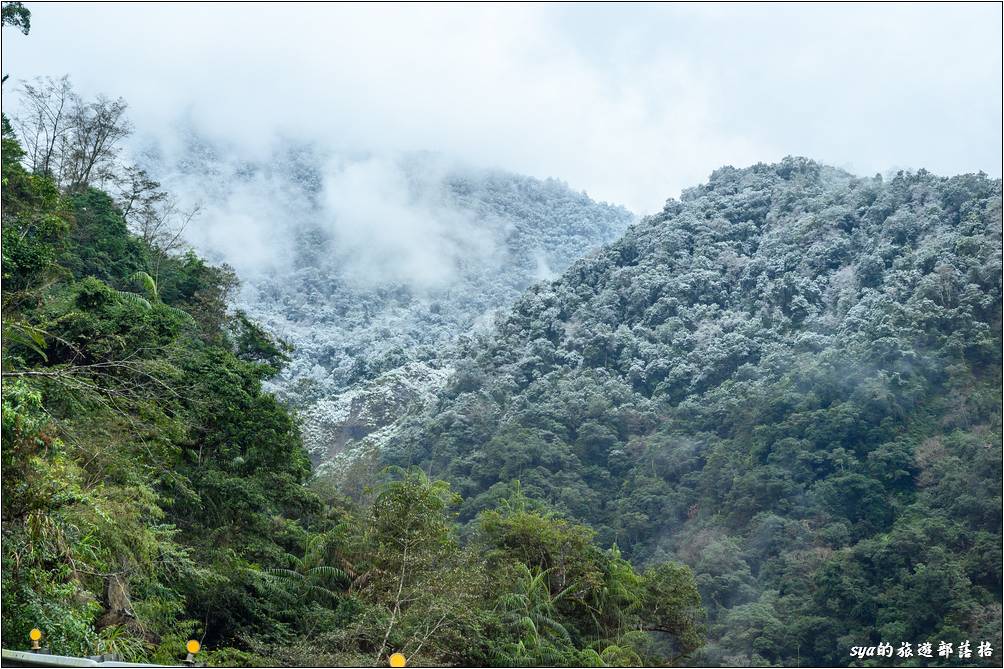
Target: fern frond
135,300
26,335
148,284
330,572
284,573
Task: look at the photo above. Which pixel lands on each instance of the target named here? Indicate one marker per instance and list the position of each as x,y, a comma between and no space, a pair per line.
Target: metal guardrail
27,658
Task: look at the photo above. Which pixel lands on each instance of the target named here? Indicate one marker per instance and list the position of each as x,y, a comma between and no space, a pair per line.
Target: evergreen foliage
153,491
790,381
760,428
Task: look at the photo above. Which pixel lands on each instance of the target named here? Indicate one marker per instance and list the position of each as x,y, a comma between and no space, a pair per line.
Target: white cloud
631,103
391,228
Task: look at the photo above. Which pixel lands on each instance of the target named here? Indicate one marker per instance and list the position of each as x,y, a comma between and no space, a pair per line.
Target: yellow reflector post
193,646
35,634
397,660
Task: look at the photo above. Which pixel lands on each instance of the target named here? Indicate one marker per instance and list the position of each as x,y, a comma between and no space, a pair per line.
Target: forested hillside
758,428
154,491
371,267
789,380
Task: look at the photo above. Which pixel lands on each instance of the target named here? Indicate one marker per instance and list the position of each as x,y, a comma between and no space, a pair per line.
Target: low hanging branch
78,375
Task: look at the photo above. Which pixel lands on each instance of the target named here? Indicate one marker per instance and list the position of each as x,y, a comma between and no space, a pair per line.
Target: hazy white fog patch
241,229
389,225
630,103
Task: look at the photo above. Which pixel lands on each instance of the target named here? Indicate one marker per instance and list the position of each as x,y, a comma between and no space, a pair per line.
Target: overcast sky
629,103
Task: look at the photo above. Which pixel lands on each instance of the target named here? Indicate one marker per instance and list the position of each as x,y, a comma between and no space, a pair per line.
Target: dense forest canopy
760,428
153,491
373,265
790,381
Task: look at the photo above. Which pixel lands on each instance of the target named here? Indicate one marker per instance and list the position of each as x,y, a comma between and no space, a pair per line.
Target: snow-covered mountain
372,266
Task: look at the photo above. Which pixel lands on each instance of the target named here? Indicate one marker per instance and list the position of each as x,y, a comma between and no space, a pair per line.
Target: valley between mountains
400,403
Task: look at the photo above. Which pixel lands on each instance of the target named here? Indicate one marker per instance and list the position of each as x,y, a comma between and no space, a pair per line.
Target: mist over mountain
369,265
788,380
311,356
784,369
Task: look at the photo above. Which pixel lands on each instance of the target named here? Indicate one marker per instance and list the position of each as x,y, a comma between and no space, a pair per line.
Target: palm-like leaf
333,573
148,284
22,334
135,300
309,574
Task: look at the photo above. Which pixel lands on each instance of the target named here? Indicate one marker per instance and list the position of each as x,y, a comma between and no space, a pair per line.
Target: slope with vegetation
761,428
789,380
374,265
153,491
